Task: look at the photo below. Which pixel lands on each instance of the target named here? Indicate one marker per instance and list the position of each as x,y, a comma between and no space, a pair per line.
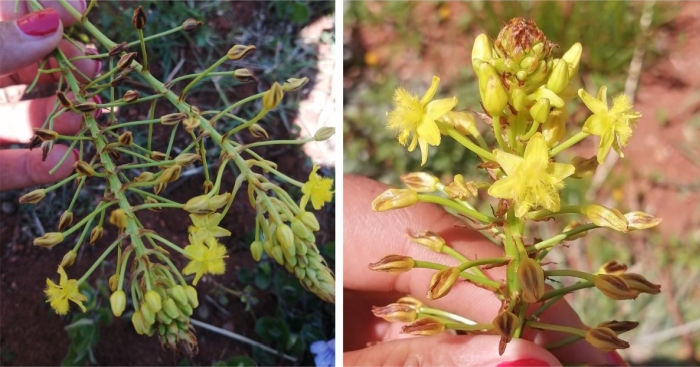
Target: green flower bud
170,308
49,240
177,292
118,302
572,58
559,78
139,323
285,236
300,230
540,110
518,99
191,293
494,96
393,264
278,254
256,249
482,48
394,199
153,300
149,317
309,220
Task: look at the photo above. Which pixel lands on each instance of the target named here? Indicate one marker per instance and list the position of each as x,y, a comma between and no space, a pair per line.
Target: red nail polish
615,359
525,362
39,23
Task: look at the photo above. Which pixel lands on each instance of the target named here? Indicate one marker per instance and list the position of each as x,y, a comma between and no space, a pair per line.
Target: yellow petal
503,188
428,131
509,162
435,109
596,106
536,151
423,151
430,93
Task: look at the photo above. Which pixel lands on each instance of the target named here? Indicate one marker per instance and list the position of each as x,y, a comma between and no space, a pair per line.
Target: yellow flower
415,118
66,290
206,227
318,189
205,260
614,125
532,180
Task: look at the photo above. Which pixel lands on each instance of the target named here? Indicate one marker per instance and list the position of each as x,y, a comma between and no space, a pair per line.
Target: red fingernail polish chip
525,362
39,23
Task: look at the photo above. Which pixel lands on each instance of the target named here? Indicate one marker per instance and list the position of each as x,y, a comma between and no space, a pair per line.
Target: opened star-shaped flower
206,227
205,260
531,181
66,290
318,189
614,125
415,119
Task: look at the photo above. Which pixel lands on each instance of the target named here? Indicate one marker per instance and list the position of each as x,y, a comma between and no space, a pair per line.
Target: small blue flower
325,353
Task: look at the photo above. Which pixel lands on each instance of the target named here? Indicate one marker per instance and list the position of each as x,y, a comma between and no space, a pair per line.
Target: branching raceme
523,91
135,176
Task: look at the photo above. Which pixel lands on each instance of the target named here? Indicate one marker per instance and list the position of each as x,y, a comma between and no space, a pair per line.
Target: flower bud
531,279
118,302
153,300
559,78
639,283
126,60
243,75
157,188
285,236
640,220
494,97
256,250
430,240
420,181
139,18
518,99
482,48
46,147
68,259
393,264
540,110
237,52
324,133
46,134
191,123
126,138
96,234
149,317
394,199
300,230
113,282
293,84
458,189
158,156
605,339
606,217
612,267
505,324
191,25
186,159
412,301
173,118
572,58
177,292
65,102
192,296
426,326
170,308
170,174
554,130
198,205
463,121
138,322
258,132
441,283
396,312
116,50
554,100
614,287
84,168
86,107
32,197
218,201
619,327
49,240
584,167
118,218
309,220
130,96
278,254
272,97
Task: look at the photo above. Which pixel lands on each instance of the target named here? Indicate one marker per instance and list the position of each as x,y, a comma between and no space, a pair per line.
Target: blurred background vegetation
391,44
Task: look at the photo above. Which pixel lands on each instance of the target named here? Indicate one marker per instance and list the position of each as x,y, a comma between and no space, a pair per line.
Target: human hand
26,37
369,236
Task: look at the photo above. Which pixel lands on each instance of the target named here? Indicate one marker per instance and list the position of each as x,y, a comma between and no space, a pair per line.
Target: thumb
28,39
451,350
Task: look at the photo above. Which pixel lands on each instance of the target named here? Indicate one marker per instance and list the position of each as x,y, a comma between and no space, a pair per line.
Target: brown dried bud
86,107
144,176
34,142
505,324
150,200
258,132
170,174
612,267
641,220
49,240
411,301
605,339
531,279
83,168
126,60
614,287
119,80
606,217
441,283
130,96
68,259
619,327
237,52
394,199
65,220
65,102
173,118
430,240
126,138
158,188
96,234
46,134
420,181
118,218
32,197
158,156
191,25
116,50
139,18
208,185
584,167
293,84
185,159
640,283
46,147
191,123
396,312
243,75
393,264
272,97
458,189
426,326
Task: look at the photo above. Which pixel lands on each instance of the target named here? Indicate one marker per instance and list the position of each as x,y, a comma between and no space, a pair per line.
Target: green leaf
300,13
241,361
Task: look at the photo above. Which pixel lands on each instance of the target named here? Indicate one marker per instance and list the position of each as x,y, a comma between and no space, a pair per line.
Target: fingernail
614,359
39,23
98,100
76,154
525,362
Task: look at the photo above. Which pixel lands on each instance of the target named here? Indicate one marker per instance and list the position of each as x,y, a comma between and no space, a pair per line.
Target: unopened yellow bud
426,326
540,110
394,199
518,99
84,168
113,282
324,133
177,292
153,300
68,259
554,100
584,167
198,205
293,84
118,302
639,283
158,156
272,97
126,138
393,264
237,52
170,174
614,287
170,308
606,217
65,221
494,96
430,240
149,317
118,218
531,279
554,130
619,327
559,78
458,189
49,240
301,230
310,221
138,322
396,312
640,220
191,293
96,234
572,58
218,201
185,159
32,197
173,118
130,96
420,181
441,283
278,254
482,48
256,250
463,121
605,339
612,267
285,236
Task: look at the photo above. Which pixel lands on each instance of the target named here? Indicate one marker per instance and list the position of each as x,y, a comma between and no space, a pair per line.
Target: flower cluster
524,90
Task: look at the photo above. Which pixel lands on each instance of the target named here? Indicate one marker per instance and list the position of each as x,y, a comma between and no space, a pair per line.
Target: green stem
570,273
168,243
550,242
444,314
544,213
279,142
201,76
152,37
461,209
497,132
560,328
99,260
563,342
486,155
486,283
568,143
565,290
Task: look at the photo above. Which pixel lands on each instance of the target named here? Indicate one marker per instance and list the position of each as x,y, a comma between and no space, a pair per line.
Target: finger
24,116
451,350
7,10
22,168
26,75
